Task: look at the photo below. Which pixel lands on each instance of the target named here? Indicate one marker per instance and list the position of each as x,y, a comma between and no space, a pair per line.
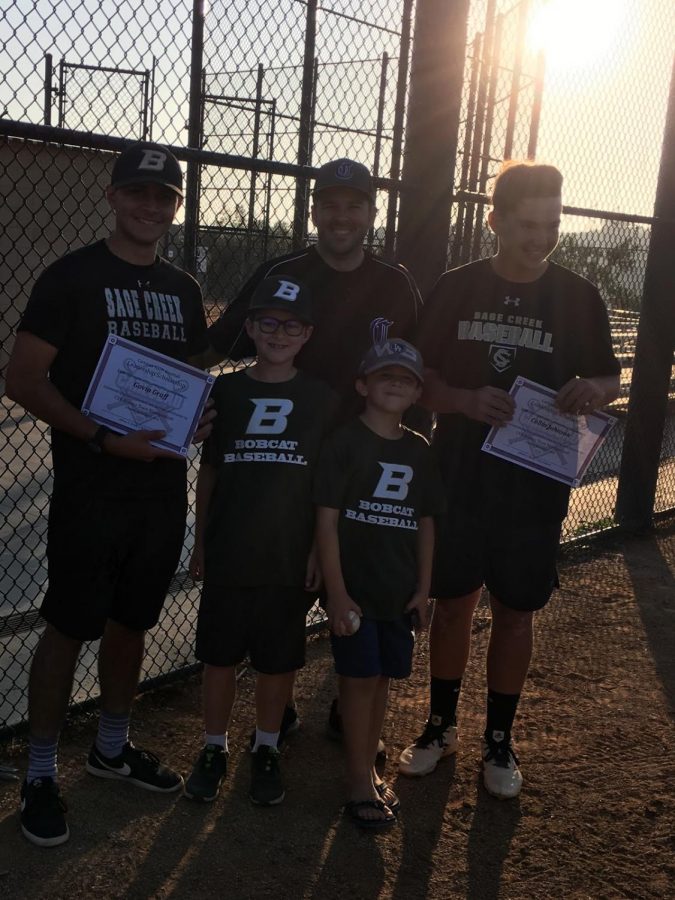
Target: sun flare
577,34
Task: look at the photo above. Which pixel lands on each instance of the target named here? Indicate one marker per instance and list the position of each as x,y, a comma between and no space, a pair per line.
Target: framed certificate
541,438
137,389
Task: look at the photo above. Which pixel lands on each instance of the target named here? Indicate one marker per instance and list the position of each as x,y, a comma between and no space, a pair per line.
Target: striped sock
42,758
113,733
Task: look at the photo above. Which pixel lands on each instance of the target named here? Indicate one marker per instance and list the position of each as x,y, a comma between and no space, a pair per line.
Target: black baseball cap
394,352
345,173
147,163
283,292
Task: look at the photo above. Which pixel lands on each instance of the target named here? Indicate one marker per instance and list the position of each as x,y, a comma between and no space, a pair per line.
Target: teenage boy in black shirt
376,494
485,323
117,514
254,534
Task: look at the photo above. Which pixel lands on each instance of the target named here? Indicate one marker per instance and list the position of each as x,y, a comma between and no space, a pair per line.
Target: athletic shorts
517,565
266,623
110,559
377,648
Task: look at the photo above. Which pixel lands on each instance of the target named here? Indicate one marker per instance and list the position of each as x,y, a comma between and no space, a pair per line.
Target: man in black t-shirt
484,324
117,514
357,300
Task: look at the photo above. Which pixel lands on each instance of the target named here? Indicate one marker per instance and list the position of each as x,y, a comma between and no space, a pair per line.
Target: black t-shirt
382,488
479,329
351,311
264,444
75,304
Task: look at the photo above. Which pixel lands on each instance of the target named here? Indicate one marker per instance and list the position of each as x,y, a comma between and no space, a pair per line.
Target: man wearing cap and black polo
358,300
117,514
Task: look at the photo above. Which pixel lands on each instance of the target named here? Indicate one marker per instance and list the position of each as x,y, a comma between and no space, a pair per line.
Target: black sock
501,711
444,699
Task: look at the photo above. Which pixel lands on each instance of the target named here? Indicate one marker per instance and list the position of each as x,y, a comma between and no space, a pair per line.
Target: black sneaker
267,788
335,731
43,813
209,770
140,767
289,723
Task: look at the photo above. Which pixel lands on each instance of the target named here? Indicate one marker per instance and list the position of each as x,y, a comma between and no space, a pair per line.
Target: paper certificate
136,389
541,438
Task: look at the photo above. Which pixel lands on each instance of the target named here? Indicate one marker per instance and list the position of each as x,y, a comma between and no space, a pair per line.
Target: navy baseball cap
394,352
345,173
147,163
283,292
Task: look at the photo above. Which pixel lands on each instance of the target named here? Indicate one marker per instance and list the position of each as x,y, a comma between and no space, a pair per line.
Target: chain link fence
277,85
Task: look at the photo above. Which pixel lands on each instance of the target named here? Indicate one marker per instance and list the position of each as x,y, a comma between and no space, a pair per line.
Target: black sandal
352,810
389,797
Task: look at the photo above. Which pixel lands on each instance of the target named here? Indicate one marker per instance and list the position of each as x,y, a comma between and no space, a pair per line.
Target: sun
576,34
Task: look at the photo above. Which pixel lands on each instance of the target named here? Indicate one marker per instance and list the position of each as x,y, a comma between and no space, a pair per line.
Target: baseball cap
393,353
283,292
146,162
345,173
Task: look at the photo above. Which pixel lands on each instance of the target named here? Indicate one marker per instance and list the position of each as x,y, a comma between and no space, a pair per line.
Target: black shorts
110,559
266,623
517,565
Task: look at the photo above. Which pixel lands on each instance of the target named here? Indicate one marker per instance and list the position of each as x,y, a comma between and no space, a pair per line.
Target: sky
606,84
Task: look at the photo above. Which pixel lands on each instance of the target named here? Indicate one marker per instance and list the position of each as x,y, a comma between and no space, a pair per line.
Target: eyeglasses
270,325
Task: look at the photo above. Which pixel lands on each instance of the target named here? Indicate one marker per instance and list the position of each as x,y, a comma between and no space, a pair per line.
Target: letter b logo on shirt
270,416
394,481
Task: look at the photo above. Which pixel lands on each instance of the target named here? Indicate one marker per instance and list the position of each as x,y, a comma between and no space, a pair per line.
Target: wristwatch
95,444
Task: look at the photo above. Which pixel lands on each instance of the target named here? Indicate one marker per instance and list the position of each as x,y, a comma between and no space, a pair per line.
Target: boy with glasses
254,534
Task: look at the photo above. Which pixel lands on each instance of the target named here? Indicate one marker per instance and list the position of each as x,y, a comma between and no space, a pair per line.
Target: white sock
220,740
265,739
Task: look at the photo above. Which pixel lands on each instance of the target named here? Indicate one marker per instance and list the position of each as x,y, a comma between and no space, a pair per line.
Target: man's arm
487,404
28,384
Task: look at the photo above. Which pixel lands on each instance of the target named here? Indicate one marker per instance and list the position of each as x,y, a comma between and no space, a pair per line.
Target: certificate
137,389
541,438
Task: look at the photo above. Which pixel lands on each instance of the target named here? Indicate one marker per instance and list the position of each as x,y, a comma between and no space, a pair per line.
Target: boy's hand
196,567
338,608
136,445
205,424
579,397
419,607
313,577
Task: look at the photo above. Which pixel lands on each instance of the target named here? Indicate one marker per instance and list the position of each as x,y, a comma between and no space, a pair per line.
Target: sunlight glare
576,34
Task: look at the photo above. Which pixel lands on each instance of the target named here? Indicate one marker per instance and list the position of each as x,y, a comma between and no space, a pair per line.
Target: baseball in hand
354,621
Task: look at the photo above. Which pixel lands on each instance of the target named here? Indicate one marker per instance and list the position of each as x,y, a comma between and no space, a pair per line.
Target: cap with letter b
394,352
147,163
283,292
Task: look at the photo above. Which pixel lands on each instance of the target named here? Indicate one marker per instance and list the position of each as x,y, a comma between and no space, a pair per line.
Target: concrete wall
51,201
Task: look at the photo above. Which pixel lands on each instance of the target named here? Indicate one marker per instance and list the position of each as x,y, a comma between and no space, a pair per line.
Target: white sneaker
433,744
501,776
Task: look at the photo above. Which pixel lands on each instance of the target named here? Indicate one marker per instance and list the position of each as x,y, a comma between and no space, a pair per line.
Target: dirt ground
596,818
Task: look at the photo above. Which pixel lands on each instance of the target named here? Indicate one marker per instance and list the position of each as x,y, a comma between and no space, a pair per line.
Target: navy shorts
517,565
377,648
110,559
266,623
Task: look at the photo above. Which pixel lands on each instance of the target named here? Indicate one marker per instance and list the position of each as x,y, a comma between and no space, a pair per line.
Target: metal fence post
305,126
436,82
194,138
652,369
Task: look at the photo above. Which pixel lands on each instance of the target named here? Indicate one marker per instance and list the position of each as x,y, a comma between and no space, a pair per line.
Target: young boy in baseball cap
377,492
254,534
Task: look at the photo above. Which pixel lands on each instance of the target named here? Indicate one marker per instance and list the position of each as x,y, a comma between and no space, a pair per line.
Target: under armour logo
287,290
379,329
511,301
345,170
152,160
